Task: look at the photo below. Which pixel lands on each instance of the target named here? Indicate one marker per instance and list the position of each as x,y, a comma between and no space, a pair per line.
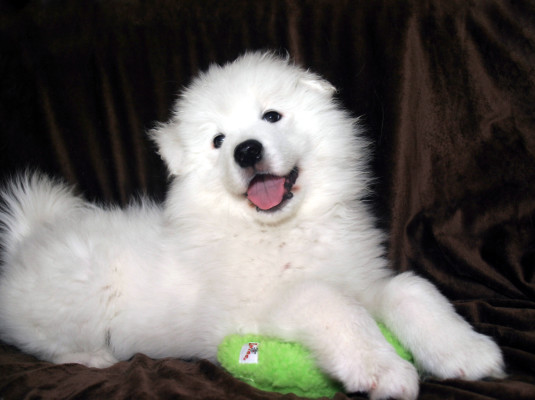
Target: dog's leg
442,342
344,339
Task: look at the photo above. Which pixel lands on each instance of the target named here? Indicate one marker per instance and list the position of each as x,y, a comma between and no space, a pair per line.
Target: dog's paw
99,359
398,380
386,378
471,357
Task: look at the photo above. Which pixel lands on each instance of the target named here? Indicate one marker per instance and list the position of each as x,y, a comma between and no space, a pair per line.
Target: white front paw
385,377
473,356
398,380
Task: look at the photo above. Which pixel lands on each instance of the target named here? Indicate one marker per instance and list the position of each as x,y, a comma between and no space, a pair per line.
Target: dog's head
256,137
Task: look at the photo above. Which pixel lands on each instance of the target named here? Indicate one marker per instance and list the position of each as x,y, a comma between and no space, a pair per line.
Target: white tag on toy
249,353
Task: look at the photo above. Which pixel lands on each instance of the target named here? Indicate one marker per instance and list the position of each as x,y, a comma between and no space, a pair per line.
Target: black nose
248,153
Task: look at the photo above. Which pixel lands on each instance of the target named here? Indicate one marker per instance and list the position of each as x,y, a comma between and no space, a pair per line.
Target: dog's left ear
320,85
169,146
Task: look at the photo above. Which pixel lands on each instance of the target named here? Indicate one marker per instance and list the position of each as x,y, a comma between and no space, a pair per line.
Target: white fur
91,285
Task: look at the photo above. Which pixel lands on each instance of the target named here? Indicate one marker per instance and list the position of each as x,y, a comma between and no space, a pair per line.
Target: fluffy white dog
262,231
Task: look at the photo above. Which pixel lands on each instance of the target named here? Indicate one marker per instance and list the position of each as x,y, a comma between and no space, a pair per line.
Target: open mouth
269,192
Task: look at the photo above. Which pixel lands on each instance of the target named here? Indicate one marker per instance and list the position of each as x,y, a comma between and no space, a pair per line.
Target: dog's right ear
320,85
169,145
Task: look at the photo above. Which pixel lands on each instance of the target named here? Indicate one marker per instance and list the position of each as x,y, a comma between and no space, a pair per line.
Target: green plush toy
286,367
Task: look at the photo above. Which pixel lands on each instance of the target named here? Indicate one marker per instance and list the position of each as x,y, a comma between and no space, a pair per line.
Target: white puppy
262,231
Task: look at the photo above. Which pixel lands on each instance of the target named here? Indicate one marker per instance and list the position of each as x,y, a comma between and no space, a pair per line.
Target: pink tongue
266,191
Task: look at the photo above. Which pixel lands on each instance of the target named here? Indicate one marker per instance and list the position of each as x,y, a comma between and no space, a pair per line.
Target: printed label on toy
249,353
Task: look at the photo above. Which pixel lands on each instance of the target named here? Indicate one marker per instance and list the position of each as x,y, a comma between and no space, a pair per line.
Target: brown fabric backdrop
447,89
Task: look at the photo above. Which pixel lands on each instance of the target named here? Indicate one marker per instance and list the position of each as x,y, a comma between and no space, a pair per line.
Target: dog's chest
280,254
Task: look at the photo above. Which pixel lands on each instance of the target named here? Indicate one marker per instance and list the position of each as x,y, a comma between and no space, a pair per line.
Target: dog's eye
218,140
271,116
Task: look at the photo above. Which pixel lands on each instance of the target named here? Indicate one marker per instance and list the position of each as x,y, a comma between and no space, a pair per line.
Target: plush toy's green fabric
283,367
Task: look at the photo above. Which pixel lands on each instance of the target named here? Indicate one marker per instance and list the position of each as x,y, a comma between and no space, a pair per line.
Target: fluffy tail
28,201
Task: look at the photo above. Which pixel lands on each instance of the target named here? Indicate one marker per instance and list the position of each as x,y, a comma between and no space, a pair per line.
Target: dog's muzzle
266,191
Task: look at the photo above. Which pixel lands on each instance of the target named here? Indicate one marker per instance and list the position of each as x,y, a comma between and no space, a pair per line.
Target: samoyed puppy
262,231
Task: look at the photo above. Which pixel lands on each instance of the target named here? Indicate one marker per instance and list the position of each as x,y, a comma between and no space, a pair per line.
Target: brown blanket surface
447,90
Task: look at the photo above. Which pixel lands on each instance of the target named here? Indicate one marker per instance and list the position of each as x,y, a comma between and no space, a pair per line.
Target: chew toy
285,367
